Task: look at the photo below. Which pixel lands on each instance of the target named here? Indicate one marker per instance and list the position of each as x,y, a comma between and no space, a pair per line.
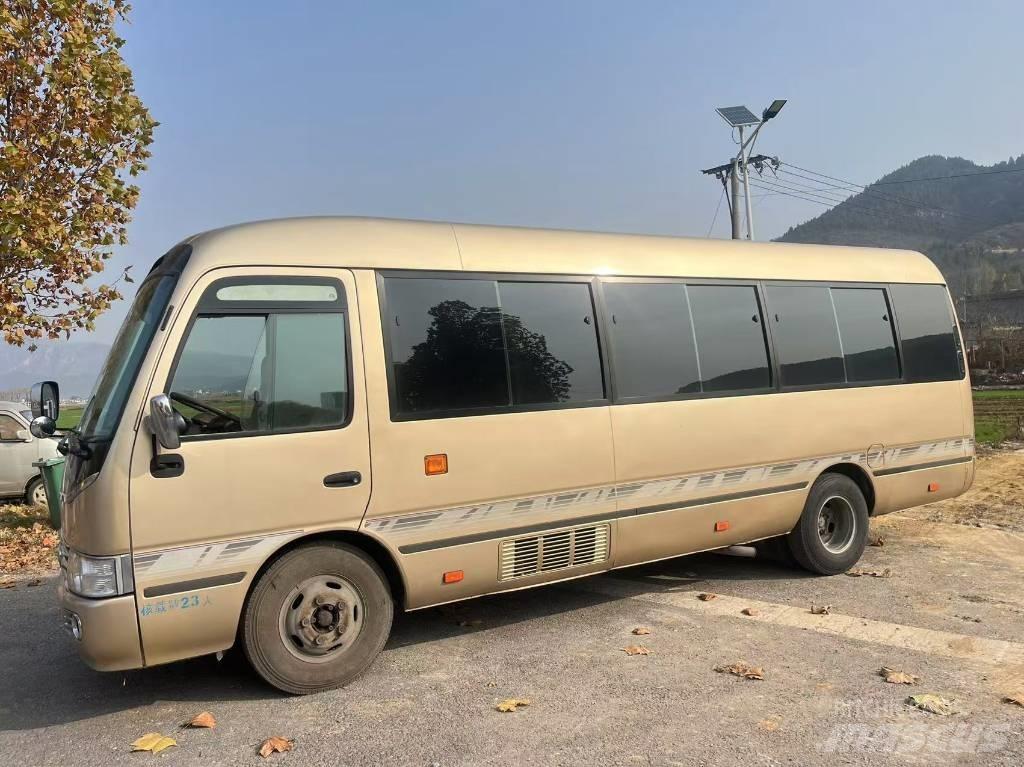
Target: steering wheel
203,407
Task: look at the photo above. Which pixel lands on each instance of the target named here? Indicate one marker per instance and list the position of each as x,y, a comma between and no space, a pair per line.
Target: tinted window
926,331
865,327
652,339
446,344
730,337
806,337
551,338
262,372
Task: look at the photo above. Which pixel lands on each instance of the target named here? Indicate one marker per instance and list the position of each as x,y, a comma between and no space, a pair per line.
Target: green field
69,416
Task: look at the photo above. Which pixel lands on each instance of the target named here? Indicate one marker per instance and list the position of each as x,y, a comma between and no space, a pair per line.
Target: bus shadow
46,684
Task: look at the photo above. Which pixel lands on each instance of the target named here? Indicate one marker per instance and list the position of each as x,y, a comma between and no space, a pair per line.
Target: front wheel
833,529
317,618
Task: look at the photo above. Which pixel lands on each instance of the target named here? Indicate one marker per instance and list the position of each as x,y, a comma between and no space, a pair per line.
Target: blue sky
590,115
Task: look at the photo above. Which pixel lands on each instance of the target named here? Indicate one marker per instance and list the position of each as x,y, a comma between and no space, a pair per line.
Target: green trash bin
52,470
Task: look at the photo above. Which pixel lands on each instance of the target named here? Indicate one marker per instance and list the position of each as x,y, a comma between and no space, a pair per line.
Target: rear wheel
35,493
833,529
317,618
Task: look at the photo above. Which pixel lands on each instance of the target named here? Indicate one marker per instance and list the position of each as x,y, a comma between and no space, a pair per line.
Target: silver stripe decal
669,492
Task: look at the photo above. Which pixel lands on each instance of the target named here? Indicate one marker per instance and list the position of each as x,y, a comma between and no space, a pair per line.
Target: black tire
821,542
296,669
30,492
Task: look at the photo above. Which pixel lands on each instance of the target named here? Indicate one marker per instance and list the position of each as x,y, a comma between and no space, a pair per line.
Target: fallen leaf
768,725
892,676
705,597
824,685
203,720
33,582
509,705
153,742
820,609
276,743
857,572
641,630
742,669
751,611
636,649
1017,698
8,584
933,704
876,541
49,541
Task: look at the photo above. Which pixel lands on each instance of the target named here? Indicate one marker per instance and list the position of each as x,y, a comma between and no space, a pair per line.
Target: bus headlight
98,576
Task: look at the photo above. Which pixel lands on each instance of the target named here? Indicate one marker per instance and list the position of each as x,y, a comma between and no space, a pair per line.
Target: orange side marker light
435,464
933,487
453,576
721,527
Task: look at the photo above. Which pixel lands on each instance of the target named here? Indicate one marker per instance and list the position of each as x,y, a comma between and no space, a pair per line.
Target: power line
861,189
717,208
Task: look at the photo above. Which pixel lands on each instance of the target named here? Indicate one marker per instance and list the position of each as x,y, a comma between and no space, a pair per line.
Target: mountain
73,365
969,220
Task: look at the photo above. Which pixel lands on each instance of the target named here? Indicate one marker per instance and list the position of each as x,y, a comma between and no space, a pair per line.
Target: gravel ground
430,698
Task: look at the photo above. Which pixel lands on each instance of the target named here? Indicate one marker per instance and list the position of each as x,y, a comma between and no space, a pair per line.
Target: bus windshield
103,411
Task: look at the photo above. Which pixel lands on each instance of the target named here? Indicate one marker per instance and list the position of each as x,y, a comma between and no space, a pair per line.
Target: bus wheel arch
858,475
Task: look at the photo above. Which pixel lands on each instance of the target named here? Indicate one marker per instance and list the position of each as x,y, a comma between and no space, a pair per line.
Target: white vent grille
555,551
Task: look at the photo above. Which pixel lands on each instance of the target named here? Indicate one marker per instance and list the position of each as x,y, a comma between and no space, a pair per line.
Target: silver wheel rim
837,524
321,618
39,495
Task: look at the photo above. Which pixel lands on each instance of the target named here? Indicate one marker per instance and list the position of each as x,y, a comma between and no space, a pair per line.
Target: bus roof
378,243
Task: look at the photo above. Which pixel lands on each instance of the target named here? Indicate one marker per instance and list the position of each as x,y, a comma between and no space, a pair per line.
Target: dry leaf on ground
276,743
751,611
1018,698
768,725
933,704
33,582
858,572
153,742
509,705
636,649
705,597
641,630
892,676
876,540
203,720
27,541
742,669
8,584
820,609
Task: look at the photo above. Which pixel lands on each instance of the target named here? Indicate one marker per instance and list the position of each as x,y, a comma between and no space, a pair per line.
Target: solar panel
737,116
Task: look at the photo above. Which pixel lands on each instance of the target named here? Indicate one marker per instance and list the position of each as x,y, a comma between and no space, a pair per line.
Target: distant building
993,329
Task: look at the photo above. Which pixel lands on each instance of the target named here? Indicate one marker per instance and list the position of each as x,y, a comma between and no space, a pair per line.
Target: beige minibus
306,424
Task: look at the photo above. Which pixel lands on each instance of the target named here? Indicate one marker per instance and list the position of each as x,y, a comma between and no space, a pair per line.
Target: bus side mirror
165,423
42,426
46,399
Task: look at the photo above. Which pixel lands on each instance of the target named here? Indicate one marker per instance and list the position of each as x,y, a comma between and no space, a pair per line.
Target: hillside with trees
968,218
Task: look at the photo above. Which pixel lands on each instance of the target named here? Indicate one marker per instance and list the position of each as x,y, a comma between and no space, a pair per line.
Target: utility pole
729,174
740,118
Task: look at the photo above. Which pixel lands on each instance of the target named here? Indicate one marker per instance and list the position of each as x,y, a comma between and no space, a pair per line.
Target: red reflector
453,576
933,487
721,527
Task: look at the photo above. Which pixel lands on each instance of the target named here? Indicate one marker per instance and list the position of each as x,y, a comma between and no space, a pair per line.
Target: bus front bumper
105,630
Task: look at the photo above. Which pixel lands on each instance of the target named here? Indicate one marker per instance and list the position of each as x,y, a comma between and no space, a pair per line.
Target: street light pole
740,117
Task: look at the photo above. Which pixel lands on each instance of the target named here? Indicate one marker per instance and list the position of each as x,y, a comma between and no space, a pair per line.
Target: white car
18,451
